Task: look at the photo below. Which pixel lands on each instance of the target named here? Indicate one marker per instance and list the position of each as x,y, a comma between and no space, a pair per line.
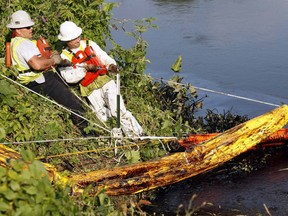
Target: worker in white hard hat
36,71
96,84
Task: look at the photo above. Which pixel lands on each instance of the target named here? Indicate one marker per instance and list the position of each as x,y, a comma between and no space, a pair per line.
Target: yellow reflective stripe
68,54
23,78
15,42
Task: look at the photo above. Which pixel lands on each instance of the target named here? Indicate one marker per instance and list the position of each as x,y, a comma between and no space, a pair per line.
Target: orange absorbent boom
280,137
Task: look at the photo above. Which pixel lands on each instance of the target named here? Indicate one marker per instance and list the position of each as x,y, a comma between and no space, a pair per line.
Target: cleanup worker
36,71
96,84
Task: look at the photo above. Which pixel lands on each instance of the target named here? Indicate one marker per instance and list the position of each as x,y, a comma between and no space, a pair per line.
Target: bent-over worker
96,85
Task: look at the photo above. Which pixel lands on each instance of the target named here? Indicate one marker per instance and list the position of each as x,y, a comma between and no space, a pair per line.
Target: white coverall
104,99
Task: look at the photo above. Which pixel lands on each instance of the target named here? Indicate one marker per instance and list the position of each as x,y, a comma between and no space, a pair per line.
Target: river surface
235,47
233,192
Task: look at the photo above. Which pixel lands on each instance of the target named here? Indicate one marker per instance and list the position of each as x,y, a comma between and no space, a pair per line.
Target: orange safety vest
89,57
44,47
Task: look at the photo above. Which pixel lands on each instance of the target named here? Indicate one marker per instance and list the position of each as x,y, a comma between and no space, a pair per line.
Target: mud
255,183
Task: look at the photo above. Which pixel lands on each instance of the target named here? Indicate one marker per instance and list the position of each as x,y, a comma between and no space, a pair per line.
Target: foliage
48,15
215,122
26,190
162,108
21,114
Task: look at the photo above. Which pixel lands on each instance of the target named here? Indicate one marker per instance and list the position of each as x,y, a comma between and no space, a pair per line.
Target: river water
235,47
233,192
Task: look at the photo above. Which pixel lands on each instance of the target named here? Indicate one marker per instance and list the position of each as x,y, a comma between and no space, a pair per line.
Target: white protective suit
104,99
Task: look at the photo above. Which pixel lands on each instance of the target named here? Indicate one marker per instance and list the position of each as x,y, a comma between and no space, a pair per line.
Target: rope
214,91
140,138
54,140
54,102
89,138
141,143
72,139
239,97
88,151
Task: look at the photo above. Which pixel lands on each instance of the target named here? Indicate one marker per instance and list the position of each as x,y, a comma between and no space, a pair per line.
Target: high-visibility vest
86,55
25,75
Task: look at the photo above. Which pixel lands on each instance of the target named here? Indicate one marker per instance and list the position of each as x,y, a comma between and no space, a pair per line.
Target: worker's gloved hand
57,58
91,68
113,68
65,63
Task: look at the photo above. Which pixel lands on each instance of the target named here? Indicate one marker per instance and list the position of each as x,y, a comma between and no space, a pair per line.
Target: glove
57,58
113,68
91,68
65,63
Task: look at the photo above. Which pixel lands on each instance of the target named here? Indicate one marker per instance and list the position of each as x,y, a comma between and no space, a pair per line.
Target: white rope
73,139
213,91
84,102
239,97
155,137
55,140
90,138
227,94
138,137
54,102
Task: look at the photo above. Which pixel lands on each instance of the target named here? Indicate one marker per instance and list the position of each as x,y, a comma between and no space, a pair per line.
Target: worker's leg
58,91
96,98
127,120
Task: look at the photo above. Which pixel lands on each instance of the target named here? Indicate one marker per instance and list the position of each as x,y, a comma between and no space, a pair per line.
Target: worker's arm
40,63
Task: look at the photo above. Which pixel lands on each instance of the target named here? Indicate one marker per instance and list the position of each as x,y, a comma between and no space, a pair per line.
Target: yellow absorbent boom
143,176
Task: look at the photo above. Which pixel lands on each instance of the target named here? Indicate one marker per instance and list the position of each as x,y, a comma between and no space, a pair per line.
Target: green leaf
14,185
12,174
133,156
2,172
3,188
28,156
10,195
30,190
2,133
4,207
177,65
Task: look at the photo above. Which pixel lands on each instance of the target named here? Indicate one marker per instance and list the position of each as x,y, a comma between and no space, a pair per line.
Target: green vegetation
162,108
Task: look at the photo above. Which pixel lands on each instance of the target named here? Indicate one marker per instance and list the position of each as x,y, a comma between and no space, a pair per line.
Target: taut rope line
213,91
89,138
54,102
239,97
140,143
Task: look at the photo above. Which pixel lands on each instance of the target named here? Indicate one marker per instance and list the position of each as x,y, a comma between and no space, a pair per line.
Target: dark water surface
233,192
237,47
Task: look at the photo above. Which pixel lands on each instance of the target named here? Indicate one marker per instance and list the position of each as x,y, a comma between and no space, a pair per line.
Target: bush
26,190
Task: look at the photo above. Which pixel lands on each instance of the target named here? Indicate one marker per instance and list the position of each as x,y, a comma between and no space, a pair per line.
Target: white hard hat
69,31
20,19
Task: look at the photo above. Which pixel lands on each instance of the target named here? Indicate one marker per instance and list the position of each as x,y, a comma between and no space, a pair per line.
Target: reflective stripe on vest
69,55
88,56
23,77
